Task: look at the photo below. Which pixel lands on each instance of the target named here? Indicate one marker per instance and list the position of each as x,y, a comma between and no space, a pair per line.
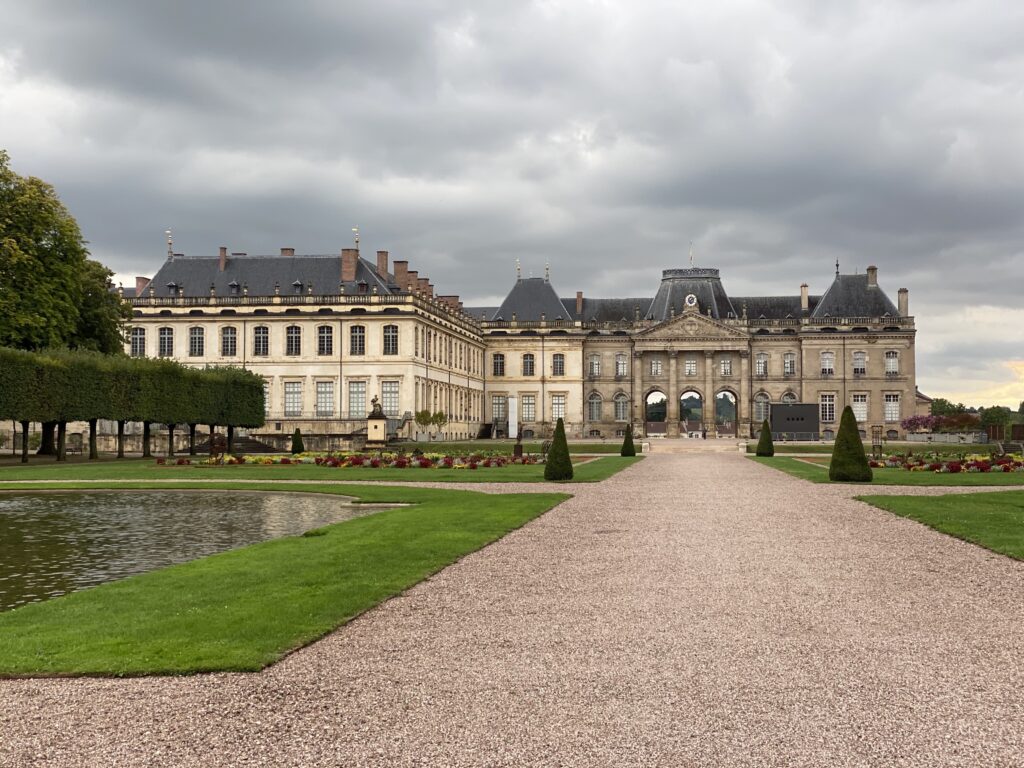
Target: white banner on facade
513,417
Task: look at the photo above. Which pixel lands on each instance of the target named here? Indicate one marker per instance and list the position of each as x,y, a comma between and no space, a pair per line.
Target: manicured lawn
244,609
139,469
888,447
817,472
991,520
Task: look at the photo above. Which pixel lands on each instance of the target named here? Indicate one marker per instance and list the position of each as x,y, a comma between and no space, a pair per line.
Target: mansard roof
702,282
774,307
529,298
854,296
608,310
260,274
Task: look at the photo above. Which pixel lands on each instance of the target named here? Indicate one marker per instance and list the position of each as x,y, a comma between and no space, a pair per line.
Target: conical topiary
297,446
628,449
558,465
765,446
849,462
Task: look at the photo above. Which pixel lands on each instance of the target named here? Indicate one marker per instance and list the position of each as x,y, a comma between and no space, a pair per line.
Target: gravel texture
693,610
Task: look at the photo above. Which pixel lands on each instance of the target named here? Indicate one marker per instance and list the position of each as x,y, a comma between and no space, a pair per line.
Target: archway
725,414
691,411
655,411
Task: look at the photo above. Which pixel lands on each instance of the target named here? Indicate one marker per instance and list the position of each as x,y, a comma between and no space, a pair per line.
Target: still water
54,543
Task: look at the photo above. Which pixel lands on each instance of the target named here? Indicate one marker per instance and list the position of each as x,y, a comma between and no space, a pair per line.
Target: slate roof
608,310
259,274
851,296
477,312
677,284
529,298
773,307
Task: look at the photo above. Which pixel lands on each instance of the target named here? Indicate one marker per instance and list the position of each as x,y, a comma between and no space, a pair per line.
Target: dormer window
172,288
363,286
233,287
297,286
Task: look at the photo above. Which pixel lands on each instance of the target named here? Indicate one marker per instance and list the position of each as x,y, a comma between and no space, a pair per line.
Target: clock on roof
691,300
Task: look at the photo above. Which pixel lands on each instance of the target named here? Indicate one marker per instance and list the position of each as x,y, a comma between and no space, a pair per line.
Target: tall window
655,367
138,342
357,340
196,342
690,366
528,364
229,341
498,364
892,407
389,397
390,339
828,363
529,403
260,341
166,342
594,407
266,397
325,340
594,365
621,407
621,366
860,407
789,364
558,365
325,398
293,398
293,340
499,407
860,363
892,363
357,399
557,407
761,364
827,405
761,407
726,366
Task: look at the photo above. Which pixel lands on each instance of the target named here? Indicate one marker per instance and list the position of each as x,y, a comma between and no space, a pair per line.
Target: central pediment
691,325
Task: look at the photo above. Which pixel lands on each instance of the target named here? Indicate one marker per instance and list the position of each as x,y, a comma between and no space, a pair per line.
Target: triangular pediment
691,325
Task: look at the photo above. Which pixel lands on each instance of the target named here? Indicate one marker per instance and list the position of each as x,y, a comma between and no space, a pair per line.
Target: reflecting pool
54,543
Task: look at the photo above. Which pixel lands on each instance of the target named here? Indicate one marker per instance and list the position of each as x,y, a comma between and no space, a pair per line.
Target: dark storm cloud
600,137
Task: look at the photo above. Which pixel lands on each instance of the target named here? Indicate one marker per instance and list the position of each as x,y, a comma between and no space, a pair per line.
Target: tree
297,446
439,420
943,407
425,419
849,462
765,446
628,449
997,415
558,465
102,313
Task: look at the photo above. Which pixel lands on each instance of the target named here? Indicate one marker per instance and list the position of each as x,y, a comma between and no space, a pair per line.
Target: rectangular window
196,342
261,341
594,408
655,367
726,366
325,340
594,365
892,363
761,365
828,363
621,366
357,400
860,363
166,342
892,407
621,408
860,407
325,398
498,365
528,365
293,340
557,407
690,366
827,405
229,342
529,403
389,398
558,365
499,407
390,339
357,340
789,364
138,342
293,398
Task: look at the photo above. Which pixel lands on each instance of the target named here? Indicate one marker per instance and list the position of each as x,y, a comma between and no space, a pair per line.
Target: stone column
672,410
708,410
639,417
743,412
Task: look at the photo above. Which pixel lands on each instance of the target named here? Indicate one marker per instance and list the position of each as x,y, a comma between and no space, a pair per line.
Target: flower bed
375,461
973,463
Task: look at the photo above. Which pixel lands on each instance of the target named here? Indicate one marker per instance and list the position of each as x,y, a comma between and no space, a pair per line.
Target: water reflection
54,543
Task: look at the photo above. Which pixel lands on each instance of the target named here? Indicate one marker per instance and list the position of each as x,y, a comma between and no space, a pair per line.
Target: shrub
297,446
559,465
628,449
849,462
765,446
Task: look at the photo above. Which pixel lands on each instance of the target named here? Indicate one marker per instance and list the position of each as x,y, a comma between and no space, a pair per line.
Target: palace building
329,333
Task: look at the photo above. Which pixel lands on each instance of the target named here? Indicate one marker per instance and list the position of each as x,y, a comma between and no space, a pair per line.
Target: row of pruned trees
61,386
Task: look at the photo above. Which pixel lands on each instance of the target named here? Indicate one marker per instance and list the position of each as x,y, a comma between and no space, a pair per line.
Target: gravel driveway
694,610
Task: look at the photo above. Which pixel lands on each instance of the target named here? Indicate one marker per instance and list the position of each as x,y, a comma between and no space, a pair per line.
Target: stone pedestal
376,432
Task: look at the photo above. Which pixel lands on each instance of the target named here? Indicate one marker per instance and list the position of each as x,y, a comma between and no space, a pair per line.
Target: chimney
287,251
141,284
873,276
904,302
579,302
424,285
430,290
413,281
402,274
223,258
349,261
805,300
382,263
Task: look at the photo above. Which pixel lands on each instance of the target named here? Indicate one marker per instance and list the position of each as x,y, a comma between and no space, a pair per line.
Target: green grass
818,473
244,609
889,447
147,469
991,520
614,445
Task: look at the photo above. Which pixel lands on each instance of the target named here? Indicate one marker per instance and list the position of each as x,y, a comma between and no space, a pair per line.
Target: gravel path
694,610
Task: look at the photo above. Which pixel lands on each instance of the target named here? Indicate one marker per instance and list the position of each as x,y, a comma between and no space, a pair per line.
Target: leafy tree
102,312
559,464
849,462
997,415
425,419
765,446
297,446
943,407
1020,410
628,449
439,420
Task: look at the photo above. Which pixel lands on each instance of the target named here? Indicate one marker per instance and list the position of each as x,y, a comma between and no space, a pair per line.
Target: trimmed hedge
628,449
297,446
765,446
558,465
849,462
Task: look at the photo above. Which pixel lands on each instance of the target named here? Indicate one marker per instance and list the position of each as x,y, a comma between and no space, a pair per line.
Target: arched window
498,364
558,365
788,399
260,341
293,340
357,340
621,366
594,407
166,342
325,340
828,363
860,363
761,407
528,364
761,364
138,342
229,341
196,342
594,366
892,363
390,339
621,407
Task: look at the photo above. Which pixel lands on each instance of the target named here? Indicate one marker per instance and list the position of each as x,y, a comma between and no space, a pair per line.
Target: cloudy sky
601,137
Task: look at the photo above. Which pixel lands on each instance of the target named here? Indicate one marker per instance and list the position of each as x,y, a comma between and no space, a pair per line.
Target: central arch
726,413
691,411
655,412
